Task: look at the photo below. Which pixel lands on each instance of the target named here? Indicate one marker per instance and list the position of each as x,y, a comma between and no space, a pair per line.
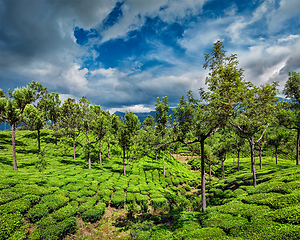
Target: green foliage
94,214
118,199
9,223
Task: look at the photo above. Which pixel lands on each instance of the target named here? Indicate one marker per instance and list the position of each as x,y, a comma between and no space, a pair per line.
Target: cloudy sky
125,54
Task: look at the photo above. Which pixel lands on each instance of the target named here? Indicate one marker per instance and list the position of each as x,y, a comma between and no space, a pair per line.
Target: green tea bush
91,201
86,192
9,223
54,201
21,233
158,202
37,212
7,195
286,215
94,214
118,199
225,221
140,198
19,205
249,211
130,198
133,188
64,212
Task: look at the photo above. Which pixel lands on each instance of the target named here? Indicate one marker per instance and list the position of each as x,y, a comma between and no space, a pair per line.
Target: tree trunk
124,161
297,159
100,157
127,157
39,140
89,150
291,155
223,171
203,197
233,158
276,155
13,140
90,161
253,161
209,170
55,124
260,162
74,148
239,160
177,157
4,125
164,171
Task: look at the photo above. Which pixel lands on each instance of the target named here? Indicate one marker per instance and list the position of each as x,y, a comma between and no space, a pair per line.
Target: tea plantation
69,201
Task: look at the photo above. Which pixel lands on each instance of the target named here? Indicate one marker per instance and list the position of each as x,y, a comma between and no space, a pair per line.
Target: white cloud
288,38
136,109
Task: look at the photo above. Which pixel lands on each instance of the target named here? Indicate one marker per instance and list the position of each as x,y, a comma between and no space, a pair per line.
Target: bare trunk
253,162
164,171
223,171
127,157
233,158
291,155
39,140
297,159
239,160
124,161
276,155
260,162
100,157
209,170
156,155
203,197
55,124
177,157
13,140
89,150
4,125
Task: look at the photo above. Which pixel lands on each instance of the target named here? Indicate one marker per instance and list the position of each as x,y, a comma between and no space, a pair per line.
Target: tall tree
12,108
50,104
35,119
69,120
291,118
132,124
100,125
254,115
161,119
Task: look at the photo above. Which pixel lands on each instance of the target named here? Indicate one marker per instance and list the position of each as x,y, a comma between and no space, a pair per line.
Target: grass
73,202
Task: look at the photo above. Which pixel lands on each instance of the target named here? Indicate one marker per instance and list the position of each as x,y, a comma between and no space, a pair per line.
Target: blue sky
124,54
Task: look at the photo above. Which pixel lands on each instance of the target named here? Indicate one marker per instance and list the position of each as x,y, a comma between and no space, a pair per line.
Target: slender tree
12,108
289,115
254,115
35,119
69,120
100,125
161,119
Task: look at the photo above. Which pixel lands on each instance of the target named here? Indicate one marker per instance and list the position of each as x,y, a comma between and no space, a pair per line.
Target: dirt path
182,158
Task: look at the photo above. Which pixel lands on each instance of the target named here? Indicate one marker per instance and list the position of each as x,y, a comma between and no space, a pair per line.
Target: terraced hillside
69,201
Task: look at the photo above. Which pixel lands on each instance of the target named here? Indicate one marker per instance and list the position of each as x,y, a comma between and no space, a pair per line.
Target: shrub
118,199
158,202
64,212
20,233
88,204
8,195
54,201
140,198
130,197
37,212
19,205
286,215
9,223
94,214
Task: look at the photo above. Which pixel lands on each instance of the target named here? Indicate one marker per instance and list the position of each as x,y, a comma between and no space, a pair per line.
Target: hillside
69,201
